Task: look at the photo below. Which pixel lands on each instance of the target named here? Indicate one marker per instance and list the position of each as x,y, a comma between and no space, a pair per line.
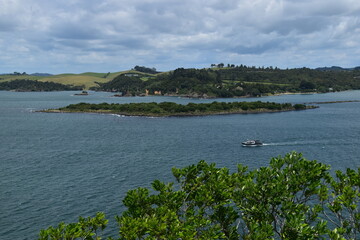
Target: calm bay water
55,167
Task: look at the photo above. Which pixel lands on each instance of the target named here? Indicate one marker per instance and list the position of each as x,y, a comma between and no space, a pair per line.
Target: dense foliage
31,85
298,79
292,198
239,81
174,109
185,81
145,69
124,84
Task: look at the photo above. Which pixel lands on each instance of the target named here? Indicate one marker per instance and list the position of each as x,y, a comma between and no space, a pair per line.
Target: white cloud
75,35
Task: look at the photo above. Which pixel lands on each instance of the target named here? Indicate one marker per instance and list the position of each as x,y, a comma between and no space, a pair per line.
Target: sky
75,36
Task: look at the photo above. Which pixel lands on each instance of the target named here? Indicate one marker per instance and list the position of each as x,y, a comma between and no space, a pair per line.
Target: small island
167,109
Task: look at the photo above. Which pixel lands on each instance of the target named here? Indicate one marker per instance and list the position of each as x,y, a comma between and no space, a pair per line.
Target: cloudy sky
59,36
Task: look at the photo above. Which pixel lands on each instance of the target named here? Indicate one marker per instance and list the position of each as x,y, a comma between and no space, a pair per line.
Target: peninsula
167,109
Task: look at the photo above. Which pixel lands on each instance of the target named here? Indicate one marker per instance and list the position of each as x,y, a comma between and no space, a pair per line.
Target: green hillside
75,80
10,77
233,81
87,79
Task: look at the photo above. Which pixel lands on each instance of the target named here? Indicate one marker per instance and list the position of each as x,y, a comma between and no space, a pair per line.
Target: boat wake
296,143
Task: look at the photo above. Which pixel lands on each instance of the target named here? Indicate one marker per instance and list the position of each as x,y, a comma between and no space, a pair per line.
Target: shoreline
195,114
205,96
198,96
330,102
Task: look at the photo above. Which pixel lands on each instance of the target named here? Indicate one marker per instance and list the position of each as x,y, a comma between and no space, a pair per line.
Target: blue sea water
55,167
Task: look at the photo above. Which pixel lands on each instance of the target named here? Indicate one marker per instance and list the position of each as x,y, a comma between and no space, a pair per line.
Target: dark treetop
23,85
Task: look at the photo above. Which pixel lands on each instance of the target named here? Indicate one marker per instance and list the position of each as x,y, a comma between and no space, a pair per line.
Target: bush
299,106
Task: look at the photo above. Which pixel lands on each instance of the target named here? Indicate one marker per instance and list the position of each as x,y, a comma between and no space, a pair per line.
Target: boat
252,143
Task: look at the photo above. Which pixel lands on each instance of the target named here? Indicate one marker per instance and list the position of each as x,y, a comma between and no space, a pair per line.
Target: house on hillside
131,74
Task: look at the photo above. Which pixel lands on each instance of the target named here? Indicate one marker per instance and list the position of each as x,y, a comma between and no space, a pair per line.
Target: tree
123,84
292,198
86,228
306,85
145,69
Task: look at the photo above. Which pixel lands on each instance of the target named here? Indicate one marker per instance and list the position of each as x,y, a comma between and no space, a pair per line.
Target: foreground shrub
292,198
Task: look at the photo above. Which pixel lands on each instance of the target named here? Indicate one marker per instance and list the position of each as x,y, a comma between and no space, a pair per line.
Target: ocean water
55,167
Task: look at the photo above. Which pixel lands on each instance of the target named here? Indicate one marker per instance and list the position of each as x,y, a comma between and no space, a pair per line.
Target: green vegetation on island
24,85
174,109
292,198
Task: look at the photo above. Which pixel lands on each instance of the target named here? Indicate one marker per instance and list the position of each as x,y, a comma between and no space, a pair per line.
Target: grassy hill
6,78
75,79
87,79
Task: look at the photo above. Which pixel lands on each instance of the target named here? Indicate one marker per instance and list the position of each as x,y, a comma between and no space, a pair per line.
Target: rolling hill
87,79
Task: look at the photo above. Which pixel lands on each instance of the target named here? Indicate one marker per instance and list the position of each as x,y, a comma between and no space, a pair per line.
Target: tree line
174,109
145,69
291,198
24,85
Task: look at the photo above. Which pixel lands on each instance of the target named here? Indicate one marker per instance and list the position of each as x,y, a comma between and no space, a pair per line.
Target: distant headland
217,81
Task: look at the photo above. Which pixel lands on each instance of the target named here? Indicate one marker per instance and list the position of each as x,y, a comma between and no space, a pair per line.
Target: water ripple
55,167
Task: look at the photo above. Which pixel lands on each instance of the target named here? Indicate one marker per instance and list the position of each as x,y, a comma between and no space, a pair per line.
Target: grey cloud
131,42
75,31
301,25
224,6
324,8
271,45
181,31
7,25
173,18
